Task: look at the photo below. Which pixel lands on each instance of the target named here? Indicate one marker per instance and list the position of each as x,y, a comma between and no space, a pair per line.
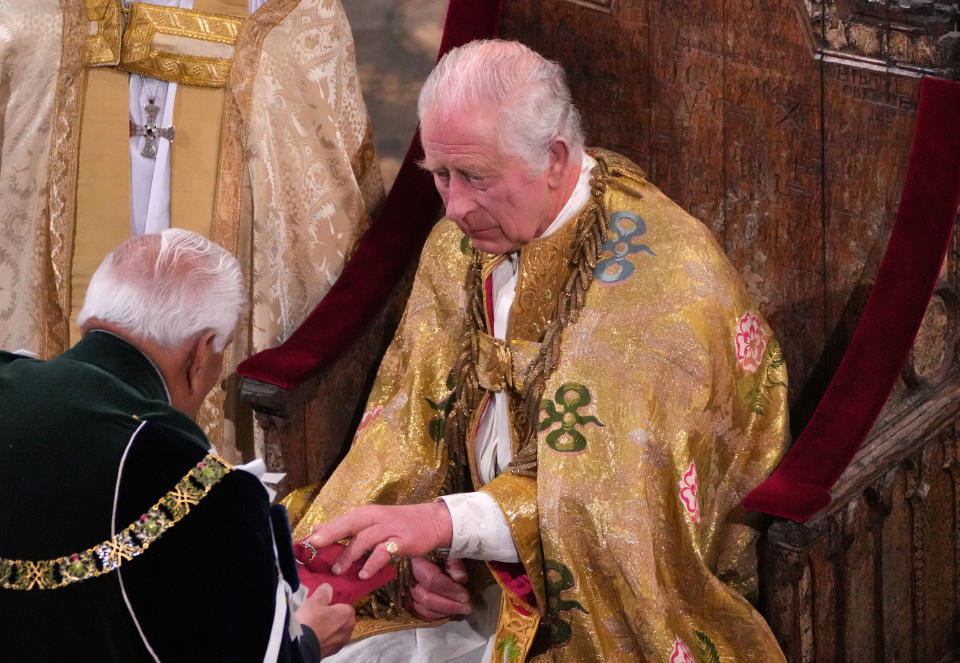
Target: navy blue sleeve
206,590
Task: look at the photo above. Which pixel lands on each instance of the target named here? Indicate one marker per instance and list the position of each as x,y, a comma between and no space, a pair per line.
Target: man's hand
332,624
413,530
438,593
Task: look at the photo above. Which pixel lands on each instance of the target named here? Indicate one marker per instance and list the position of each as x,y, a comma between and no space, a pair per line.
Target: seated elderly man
583,382
123,537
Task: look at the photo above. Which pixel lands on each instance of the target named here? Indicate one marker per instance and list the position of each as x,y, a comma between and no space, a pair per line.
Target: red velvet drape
800,486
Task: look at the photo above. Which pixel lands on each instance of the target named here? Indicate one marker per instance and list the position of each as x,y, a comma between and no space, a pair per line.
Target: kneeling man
123,536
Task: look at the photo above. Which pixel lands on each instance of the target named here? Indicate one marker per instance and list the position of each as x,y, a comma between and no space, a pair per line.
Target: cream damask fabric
30,34
301,142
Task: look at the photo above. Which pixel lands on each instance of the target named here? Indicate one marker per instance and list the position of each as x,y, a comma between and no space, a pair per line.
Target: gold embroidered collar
167,43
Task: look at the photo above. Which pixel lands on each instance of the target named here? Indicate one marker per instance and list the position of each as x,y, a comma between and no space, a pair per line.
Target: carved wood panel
784,125
884,560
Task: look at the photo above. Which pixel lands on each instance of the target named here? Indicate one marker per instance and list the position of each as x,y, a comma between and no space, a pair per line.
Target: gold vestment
667,404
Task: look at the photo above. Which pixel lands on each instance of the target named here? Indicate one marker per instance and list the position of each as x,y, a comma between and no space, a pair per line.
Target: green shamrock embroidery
559,579
570,397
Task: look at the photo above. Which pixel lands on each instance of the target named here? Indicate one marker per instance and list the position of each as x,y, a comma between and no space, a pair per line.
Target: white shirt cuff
480,530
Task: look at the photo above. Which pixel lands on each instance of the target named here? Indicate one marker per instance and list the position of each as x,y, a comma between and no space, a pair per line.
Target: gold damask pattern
140,54
30,36
236,114
124,546
516,630
541,274
103,46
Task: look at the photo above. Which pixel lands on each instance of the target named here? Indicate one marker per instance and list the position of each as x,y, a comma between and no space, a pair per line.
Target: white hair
168,288
531,92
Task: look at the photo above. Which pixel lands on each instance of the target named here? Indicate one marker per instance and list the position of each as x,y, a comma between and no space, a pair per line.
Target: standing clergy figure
582,380
123,536
271,154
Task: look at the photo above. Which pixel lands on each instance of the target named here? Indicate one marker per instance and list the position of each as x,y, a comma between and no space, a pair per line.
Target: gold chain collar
122,547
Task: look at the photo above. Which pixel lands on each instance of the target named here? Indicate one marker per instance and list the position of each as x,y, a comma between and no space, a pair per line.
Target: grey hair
531,92
168,288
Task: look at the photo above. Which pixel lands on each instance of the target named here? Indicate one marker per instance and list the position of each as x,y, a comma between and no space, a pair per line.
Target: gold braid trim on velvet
591,230
131,542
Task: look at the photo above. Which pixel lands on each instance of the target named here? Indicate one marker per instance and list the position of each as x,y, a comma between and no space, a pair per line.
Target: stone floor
396,43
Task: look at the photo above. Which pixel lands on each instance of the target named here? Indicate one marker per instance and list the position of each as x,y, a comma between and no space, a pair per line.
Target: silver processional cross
151,132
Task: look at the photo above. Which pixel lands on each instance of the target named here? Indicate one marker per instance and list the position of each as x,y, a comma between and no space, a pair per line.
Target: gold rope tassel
591,229
591,233
467,391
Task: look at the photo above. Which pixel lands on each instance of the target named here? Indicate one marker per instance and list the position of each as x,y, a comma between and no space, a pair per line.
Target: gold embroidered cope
666,406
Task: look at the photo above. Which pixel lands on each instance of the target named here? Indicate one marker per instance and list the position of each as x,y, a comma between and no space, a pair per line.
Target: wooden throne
784,125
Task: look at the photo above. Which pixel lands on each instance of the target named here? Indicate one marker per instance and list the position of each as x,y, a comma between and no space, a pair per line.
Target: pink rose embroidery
368,417
688,492
751,343
681,653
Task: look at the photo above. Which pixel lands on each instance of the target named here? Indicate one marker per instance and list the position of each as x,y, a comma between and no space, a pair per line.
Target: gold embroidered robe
276,162
667,405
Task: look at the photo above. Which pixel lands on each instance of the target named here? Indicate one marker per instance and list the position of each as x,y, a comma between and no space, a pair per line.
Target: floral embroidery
623,238
681,653
368,417
688,492
751,342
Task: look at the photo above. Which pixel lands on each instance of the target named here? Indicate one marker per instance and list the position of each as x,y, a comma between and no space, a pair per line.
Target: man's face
489,195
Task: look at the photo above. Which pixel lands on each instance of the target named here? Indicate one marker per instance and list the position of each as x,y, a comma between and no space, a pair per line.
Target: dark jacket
204,590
